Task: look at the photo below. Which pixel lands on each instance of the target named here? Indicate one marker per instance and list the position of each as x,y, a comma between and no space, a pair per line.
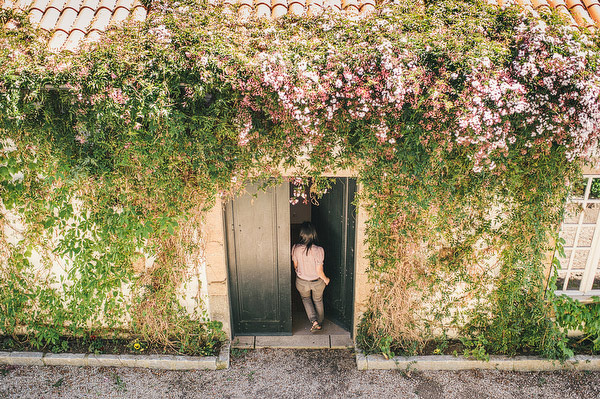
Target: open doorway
334,217
260,227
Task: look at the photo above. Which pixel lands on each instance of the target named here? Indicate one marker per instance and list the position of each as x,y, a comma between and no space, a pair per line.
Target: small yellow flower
137,346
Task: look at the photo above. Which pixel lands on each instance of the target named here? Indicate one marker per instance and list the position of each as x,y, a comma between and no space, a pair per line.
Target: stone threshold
164,362
453,363
293,341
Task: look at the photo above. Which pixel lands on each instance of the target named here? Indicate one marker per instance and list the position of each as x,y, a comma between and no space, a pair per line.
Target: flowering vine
461,101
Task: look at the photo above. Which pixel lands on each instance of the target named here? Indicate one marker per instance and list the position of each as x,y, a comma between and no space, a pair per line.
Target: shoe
315,327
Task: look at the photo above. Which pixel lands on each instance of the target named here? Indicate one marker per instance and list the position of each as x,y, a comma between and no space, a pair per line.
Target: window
579,275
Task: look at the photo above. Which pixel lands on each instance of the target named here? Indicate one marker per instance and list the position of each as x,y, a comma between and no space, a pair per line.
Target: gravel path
267,373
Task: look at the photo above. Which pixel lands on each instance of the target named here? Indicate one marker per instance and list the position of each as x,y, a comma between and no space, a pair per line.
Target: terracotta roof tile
91,4
40,4
68,16
84,19
528,5
139,12
367,6
593,8
75,5
581,13
245,10
263,8
37,11
541,5
561,7
52,14
108,4
296,7
334,4
101,20
278,8
121,12
350,6
74,40
314,7
57,40
71,22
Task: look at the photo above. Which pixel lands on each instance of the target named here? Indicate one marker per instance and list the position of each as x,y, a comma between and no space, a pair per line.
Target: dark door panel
258,252
335,219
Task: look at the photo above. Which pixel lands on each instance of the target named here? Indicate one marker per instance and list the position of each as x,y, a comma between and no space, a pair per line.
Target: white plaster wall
52,269
193,293
213,236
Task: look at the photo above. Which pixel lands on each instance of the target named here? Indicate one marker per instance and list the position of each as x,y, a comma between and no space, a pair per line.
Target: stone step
338,341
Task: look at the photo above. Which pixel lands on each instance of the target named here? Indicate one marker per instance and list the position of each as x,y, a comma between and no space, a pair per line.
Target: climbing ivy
466,124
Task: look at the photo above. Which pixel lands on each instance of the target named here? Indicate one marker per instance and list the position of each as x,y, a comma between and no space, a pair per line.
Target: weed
119,383
407,372
5,370
476,349
238,352
7,343
95,345
441,346
385,347
541,381
59,383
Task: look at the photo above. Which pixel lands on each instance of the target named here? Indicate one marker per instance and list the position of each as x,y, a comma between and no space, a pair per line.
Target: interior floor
302,212
301,325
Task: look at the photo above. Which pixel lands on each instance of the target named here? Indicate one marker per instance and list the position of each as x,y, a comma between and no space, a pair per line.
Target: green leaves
142,130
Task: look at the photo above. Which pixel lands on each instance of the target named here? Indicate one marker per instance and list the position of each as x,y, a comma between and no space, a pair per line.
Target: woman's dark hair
308,235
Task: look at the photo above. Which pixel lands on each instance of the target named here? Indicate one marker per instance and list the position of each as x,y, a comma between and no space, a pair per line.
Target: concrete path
287,373
322,341
331,336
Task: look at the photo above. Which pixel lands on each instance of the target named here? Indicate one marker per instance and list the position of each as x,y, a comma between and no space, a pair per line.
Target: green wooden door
258,251
335,220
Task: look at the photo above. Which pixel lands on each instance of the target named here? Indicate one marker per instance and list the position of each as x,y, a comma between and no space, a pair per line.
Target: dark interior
299,213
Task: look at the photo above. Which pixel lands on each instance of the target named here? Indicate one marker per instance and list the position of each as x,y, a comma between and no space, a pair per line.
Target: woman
308,263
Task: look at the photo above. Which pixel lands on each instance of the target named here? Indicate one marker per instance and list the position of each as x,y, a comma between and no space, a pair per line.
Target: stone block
362,293
361,360
341,341
451,363
165,362
169,362
293,341
25,359
214,253
530,363
378,362
105,360
584,362
214,246
214,273
217,288
213,218
4,357
219,308
65,359
243,342
223,358
192,363
208,363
